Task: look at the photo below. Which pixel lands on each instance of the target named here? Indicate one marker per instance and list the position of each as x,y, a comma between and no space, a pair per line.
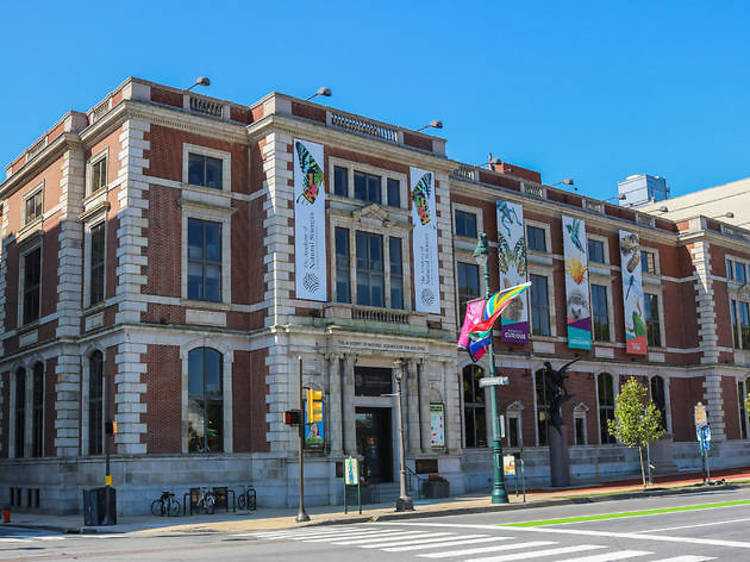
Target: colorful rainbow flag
481,316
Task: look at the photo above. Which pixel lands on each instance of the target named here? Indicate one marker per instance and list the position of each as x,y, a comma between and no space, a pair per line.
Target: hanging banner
632,293
511,252
576,283
437,425
309,222
315,432
424,237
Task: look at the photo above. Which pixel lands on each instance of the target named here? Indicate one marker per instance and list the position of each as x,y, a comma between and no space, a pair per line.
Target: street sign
494,381
700,415
703,435
509,465
351,471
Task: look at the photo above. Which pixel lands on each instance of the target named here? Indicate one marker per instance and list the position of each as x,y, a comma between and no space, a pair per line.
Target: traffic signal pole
301,515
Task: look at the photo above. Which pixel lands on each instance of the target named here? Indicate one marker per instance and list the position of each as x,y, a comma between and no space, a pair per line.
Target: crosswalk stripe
609,556
687,558
361,536
537,553
433,537
484,549
380,539
439,544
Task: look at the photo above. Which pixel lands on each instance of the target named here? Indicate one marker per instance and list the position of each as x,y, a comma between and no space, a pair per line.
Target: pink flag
473,317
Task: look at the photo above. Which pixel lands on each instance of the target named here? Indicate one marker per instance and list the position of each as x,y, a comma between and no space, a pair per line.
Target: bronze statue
560,395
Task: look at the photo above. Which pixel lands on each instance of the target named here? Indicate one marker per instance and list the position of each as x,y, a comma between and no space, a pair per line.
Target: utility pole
499,494
301,515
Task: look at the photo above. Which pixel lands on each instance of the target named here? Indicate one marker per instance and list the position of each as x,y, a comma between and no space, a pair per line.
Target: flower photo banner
309,222
632,293
578,311
424,241
511,253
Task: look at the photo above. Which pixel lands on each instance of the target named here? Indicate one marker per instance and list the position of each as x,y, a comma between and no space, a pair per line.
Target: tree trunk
643,474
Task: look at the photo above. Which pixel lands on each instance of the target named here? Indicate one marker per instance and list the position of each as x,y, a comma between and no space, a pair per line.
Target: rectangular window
20,408
397,272
606,388
653,328
367,187
466,224
743,413
648,262
744,325
600,312
580,435
514,431
739,272
468,286
730,270
536,239
343,279
32,285
475,427
370,276
735,332
596,251
539,306
204,260
205,171
96,265
37,405
394,192
98,174
341,181
34,207
543,401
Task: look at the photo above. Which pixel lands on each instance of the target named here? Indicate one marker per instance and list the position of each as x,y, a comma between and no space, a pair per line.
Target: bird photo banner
309,222
632,293
511,252
576,283
425,243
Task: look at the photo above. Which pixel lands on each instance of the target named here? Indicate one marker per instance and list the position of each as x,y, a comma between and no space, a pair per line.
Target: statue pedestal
559,463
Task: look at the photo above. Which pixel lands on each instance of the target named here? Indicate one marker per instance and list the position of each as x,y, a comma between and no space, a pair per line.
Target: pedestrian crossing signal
314,406
292,417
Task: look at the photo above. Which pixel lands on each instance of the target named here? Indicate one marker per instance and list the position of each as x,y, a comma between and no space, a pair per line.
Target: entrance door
374,443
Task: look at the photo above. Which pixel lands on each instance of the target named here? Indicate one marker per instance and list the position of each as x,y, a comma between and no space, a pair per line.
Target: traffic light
314,406
293,417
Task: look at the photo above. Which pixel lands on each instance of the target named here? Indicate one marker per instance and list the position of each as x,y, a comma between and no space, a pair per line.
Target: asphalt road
687,528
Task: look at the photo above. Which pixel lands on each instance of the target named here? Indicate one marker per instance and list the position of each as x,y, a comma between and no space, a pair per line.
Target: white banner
511,253
309,221
632,293
424,236
578,315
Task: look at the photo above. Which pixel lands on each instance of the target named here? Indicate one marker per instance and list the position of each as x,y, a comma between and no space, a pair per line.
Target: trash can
100,506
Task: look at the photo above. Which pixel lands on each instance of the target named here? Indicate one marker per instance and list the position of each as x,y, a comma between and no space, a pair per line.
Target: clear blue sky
589,90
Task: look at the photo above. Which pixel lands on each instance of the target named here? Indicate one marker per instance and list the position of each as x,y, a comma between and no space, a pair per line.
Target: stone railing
465,172
36,148
206,107
363,127
645,220
593,205
380,315
735,231
534,190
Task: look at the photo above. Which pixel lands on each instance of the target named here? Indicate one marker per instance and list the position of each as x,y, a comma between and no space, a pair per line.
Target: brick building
152,266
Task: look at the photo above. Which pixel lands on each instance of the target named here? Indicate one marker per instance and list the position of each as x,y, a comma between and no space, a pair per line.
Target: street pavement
687,528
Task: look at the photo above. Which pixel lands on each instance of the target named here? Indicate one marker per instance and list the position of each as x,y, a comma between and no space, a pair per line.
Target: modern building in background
642,189
167,257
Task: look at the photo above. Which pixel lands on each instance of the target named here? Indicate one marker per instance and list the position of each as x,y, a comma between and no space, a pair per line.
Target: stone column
452,407
424,405
412,408
333,361
349,423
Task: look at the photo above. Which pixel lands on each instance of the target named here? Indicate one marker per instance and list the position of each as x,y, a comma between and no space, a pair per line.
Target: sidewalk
281,518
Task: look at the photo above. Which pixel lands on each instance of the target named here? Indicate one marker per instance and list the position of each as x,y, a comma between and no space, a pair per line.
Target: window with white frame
659,397
743,387
34,205
206,167
205,417
737,270
580,431
513,432
596,250
539,299
367,183
606,400
96,177
468,286
475,421
204,260
465,223
37,410
536,238
600,312
343,265
95,402
740,317
96,265
31,284
648,262
653,325
20,413
543,405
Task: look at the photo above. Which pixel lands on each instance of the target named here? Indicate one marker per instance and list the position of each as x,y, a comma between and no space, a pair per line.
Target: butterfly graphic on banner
311,173
516,256
420,196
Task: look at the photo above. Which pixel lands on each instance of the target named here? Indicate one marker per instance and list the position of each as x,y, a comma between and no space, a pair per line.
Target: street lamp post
499,494
404,502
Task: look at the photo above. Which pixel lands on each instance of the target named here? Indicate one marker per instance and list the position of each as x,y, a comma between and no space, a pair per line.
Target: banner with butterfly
632,293
575,248
309,221
511,253
424,241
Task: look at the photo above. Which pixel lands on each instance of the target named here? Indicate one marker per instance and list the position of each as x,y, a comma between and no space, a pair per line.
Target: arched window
606,389
20,407
37,406
543,401
205,401
658,396
474,411
96,402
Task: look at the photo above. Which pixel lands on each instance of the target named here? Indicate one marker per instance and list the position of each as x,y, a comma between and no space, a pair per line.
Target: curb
395,516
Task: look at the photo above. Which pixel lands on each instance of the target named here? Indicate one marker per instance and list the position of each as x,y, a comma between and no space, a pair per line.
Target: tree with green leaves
637,421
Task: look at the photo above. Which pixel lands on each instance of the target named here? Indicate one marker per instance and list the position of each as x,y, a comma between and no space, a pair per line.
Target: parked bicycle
167,505
206,501
246,498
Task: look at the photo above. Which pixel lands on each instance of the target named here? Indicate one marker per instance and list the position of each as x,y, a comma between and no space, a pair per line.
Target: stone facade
198,385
